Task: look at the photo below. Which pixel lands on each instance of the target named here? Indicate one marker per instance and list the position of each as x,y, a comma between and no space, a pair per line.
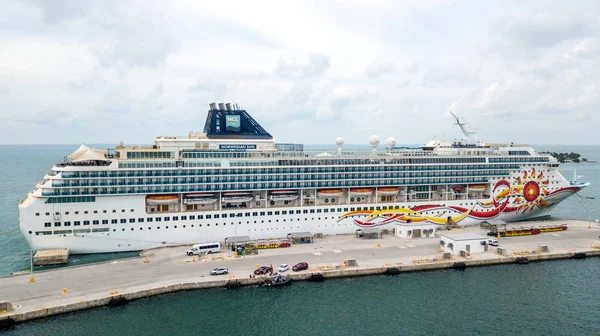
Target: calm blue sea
558,298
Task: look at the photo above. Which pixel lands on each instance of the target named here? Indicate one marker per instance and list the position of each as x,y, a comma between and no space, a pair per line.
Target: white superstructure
233,180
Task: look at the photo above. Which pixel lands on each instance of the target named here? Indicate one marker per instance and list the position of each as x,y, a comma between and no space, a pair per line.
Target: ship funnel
221,106
228,106
213,106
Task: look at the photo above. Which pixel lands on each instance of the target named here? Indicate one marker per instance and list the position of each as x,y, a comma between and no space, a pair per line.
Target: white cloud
74,71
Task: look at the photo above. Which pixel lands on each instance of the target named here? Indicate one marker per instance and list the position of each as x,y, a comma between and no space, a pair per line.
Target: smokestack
221,106
213,106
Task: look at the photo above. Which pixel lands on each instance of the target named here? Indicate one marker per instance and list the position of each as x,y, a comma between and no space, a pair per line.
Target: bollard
378,245
31,279
64,291
146,260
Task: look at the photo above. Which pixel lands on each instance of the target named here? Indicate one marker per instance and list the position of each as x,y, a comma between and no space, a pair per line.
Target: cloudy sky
308,71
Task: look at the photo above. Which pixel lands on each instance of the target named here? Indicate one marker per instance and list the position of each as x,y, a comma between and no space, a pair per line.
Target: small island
568,157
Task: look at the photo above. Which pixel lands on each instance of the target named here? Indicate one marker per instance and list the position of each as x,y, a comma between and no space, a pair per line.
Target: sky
308,71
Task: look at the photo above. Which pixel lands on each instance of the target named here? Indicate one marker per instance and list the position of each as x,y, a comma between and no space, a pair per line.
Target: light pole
31,279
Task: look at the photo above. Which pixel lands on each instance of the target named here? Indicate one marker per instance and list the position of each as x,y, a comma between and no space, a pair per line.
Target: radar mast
468,132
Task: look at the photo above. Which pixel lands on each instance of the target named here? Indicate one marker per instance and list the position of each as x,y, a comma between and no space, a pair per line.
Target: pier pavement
170,269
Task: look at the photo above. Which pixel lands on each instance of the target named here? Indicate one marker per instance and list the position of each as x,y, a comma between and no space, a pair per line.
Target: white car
219,270
493,242
284,267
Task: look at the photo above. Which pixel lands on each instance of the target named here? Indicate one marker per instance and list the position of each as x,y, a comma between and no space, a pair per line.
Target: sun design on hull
529,191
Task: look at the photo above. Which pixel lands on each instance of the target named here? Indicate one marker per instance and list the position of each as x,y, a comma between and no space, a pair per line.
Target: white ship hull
140,236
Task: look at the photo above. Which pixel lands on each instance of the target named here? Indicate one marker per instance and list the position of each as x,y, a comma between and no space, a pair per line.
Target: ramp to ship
51,257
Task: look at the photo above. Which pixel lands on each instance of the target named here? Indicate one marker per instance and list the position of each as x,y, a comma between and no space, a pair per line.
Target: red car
300,267
263,270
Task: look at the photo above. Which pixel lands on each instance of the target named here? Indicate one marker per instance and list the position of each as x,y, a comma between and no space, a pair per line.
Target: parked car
284,267
493,242
300,267
219,270
263,270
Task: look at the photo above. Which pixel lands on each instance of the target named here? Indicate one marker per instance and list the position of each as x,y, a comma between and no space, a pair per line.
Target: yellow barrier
524,252
114,292
422,260
596,246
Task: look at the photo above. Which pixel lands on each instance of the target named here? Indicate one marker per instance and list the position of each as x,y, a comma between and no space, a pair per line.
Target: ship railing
84,163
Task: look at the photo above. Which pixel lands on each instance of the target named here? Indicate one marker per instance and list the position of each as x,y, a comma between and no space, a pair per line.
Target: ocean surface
559,298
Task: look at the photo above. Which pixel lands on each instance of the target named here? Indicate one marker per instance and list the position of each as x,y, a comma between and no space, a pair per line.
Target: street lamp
31,279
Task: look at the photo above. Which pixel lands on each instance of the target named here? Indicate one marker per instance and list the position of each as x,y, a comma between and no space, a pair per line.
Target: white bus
204,248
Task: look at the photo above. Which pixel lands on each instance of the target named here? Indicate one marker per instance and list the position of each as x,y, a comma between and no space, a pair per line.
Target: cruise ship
234,180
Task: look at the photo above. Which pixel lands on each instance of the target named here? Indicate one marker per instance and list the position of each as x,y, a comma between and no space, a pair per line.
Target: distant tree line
564,157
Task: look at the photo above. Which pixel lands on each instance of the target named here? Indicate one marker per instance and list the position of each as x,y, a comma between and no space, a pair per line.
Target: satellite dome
374,140
390,142
339,141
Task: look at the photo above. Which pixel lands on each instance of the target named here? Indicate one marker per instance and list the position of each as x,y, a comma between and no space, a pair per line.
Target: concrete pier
168,270
51,257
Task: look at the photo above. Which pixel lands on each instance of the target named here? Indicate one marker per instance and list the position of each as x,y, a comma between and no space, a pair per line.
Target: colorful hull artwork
526,194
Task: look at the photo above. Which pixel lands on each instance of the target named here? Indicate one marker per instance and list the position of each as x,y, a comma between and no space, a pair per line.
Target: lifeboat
477,187
199,199
283,195
330,192
388,190
162,199
237,197
458,189
360,191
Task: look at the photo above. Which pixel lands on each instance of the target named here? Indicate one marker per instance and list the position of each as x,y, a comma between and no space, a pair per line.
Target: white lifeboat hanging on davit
237,197
199,199
330,192
283,195
360,191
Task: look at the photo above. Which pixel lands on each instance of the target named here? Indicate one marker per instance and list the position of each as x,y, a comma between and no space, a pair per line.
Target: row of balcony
67,184
184,173
255,186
